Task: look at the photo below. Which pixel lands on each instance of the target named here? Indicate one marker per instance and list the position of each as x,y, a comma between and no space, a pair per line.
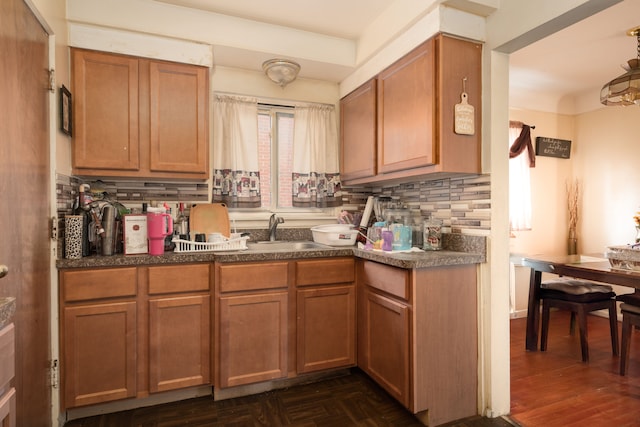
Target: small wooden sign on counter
551,147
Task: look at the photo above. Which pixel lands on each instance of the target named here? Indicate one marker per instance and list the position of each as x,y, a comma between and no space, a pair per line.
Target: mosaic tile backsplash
462,203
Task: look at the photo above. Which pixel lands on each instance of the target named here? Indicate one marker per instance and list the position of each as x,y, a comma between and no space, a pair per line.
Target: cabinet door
7,372
179,342
105,112
406,112
358,133
253,338
8,408
178,118
326,330
385,356
99,353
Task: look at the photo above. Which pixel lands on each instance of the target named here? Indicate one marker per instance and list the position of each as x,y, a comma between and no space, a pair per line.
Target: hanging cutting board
210,218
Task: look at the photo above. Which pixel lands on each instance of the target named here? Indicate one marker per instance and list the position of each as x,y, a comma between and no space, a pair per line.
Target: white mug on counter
215,238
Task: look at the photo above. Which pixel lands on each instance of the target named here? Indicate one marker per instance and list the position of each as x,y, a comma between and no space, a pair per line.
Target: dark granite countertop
7,310
459,249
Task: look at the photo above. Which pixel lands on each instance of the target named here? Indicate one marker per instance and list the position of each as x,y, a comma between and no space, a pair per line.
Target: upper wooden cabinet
136,117
406,98
409,131
358,132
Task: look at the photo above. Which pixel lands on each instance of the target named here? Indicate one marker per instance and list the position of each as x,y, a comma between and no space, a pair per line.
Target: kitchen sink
282,245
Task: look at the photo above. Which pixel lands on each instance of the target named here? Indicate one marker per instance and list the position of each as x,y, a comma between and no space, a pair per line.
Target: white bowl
335,234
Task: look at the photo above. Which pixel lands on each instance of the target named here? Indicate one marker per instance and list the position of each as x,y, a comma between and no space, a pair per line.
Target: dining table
593,267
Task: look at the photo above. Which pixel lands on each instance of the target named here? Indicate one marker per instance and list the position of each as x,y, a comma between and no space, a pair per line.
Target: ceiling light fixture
625,90
281,71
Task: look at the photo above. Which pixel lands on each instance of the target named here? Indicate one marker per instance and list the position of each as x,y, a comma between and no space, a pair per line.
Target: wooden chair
580,297
630,309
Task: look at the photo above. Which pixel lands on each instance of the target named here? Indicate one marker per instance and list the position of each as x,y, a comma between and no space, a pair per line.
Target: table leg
533,310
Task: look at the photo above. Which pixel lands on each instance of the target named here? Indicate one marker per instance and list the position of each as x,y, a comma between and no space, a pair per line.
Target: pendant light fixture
625,89
281,71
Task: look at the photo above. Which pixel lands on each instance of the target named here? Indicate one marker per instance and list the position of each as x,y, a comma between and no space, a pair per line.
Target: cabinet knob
4,270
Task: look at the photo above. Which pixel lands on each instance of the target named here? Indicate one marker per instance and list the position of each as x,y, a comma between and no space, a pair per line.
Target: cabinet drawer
81,285
7,355
179,278
252,276
324,271
392,280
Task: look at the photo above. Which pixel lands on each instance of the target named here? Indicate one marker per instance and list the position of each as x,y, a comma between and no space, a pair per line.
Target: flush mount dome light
625,89
281,71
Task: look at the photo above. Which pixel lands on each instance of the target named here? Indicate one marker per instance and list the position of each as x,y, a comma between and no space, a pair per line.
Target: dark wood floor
351,400
552,388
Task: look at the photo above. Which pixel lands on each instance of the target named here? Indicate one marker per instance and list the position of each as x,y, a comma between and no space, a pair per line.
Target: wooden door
386,344
105,111
179,342
99,353
25,203
178,113
406,112
326,333
253,338
358,133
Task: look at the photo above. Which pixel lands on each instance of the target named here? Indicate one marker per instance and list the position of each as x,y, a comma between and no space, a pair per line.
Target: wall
606,163
548,180
604,146
602,159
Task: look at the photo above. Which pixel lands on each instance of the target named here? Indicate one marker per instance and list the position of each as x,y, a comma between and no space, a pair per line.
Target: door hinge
52,80
54,228
53,373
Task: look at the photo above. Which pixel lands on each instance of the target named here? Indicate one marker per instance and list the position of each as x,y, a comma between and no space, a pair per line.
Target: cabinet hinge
53,373
54,228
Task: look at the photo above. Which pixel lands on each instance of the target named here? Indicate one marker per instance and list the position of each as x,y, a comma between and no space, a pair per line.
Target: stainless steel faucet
274,220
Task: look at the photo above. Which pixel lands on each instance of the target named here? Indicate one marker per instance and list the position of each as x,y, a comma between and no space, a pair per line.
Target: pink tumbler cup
159,226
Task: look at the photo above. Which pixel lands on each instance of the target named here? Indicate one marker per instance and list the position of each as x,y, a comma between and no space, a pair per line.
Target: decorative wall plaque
464,114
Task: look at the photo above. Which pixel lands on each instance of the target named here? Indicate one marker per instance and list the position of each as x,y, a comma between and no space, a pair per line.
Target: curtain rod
274,101
514,122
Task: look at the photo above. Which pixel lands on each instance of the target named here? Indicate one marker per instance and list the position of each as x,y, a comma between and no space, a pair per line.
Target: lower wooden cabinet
417,337
386,345
253,338
99,353
130,331
282,318
7,372
179,342
325,314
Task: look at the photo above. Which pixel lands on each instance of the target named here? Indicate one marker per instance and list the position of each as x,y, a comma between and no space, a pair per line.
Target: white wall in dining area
548,179
605,158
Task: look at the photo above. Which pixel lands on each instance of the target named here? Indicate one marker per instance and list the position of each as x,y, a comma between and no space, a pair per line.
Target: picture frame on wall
66,122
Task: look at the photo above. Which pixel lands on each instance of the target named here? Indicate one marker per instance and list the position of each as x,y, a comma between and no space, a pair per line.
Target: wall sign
551,147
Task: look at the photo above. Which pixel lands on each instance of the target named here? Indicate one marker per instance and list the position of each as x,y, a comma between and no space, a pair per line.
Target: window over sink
278,176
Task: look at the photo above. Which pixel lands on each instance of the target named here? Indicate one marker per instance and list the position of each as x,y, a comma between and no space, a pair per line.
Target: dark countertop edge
403,260
7,310
425,259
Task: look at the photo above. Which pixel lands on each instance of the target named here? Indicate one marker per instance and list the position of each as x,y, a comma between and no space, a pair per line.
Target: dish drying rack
233,243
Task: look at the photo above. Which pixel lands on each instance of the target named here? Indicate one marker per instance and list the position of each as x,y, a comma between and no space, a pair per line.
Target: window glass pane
264,158
285,158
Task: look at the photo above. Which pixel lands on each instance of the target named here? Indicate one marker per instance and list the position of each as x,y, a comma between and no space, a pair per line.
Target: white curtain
236,172
519,184
316,173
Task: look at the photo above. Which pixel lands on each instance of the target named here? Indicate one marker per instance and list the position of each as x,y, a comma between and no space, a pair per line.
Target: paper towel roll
73,236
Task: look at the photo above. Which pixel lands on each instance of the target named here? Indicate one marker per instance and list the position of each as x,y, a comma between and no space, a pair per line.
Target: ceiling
561,73
565,71
309,15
